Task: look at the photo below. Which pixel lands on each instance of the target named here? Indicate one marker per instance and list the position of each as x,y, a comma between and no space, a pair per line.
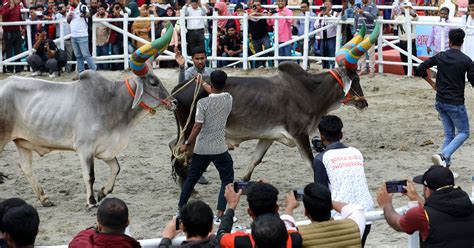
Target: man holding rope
453,65
207,137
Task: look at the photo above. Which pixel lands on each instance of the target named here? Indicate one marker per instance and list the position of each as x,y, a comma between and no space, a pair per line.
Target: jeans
38,64
224,63
117,48
284,51
257,44
199,164
454,117
81,50
328,49
102,51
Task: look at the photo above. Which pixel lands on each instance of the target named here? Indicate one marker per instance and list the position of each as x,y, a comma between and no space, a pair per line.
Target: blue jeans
328,49
199,164
454,117
81,50
257,45
103,51
117,48
284,51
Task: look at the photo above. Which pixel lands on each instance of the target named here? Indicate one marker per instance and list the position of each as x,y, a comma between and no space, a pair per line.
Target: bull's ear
138,95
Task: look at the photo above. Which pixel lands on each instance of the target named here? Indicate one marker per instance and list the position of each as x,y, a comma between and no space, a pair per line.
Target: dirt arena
397,135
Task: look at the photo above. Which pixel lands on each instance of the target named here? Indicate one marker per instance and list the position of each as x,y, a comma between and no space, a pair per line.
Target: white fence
384,40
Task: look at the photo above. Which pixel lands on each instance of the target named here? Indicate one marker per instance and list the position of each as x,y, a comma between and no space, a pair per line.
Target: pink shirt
174,38
284,25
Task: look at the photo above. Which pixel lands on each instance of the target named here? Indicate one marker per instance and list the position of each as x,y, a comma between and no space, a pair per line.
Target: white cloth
66,26
354,212
193,24
468,47
78,24
402,28
331,32
347,181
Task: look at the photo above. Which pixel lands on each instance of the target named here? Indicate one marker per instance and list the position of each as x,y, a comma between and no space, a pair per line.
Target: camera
244,186
83,9
318,144
299,193
178,222
396,186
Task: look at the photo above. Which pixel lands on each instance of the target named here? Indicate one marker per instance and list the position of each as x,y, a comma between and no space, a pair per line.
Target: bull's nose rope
176,152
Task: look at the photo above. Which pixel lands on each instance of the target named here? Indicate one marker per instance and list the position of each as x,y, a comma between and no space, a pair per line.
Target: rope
176,153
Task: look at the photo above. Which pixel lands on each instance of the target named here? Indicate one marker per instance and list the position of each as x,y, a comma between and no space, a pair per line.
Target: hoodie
90,238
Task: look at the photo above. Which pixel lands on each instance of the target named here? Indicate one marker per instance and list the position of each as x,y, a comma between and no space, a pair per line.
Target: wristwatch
186,142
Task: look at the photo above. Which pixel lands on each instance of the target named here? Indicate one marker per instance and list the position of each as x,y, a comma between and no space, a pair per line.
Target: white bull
93,116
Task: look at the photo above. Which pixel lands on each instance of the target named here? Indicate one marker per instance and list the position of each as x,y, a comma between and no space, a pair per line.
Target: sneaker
51,75
438,159
36,74
203,180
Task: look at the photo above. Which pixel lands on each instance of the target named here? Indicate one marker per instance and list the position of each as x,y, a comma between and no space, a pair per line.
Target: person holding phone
207,138
444,216
195,219
44,58
328,40
284,27
258,29
366,12
333,165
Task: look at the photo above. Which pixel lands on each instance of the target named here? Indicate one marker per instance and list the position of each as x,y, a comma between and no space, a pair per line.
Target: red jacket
90,238
13,15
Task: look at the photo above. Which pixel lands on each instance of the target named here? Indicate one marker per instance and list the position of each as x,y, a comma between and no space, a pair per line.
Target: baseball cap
435,177
406,4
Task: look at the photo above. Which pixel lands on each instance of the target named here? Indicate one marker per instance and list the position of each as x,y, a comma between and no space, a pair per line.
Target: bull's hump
292,69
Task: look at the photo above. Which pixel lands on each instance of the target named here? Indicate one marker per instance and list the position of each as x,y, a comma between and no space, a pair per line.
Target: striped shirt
212,112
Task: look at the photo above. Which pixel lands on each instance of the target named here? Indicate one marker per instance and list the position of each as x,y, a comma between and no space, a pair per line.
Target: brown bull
285,108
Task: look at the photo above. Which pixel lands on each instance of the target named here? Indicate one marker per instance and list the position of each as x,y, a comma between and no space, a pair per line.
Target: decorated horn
341,54
142,54
355,53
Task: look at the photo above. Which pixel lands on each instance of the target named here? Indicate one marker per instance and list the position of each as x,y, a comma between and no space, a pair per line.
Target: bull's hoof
46,202
2,177
246,178
101,195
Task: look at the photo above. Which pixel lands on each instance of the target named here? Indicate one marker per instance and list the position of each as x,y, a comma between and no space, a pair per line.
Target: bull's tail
179,169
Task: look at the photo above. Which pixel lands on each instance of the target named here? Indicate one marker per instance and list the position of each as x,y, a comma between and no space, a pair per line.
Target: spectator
434,40
262,200
195,27
451,6
232,44
93,9
4,207
102,36
173,46
44,58
207,138
224,24
453,65
323,230
269,231
61,15
11,12
170,12
239,11
20,226
328,41
284,27
134,8
48,15
79,36
468,47
347,29
199,67
402,33
330,168
300,26
141,28
196,221
36,14
366,12
116,38
444,217
112,220
258,30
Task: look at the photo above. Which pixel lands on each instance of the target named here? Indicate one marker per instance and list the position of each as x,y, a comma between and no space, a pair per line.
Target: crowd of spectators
229,42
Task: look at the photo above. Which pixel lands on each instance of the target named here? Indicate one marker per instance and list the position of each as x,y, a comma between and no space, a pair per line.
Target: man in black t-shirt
44,58
258,29
453,65
232,44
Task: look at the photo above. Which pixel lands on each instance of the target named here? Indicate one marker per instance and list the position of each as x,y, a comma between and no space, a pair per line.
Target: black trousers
13,42
194,38
404,46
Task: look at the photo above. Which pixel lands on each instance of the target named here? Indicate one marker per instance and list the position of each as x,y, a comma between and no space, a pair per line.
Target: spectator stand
413,240
384,40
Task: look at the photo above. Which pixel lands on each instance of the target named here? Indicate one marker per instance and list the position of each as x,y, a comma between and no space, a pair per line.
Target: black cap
436,177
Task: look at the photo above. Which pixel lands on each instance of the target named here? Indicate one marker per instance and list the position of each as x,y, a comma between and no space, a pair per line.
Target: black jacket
450,80
451,219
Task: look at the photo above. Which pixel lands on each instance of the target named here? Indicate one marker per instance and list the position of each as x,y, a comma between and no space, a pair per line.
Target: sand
397,134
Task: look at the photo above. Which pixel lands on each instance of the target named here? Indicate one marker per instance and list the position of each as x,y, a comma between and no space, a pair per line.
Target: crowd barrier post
338,39
275,42
443,35
245,42
94,37
380,50
409,43
125,40
306,39
184,41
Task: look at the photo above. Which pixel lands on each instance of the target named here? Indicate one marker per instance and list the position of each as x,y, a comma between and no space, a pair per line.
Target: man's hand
360,11
412,194
383,197
183,148
428,50
180,59
291,203
170,229
231,196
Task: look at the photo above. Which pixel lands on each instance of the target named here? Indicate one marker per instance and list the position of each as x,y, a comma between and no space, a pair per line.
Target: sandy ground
391,135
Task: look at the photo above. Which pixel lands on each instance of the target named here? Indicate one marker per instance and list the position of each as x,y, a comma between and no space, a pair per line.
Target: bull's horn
355,53
341,54
142,54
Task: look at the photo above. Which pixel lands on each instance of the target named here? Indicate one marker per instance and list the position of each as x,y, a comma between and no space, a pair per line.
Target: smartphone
298,194
242,186
396,186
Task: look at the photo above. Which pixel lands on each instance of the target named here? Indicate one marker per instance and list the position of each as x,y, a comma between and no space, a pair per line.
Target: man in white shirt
66,31
195,27
328,36
77,18
402,32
